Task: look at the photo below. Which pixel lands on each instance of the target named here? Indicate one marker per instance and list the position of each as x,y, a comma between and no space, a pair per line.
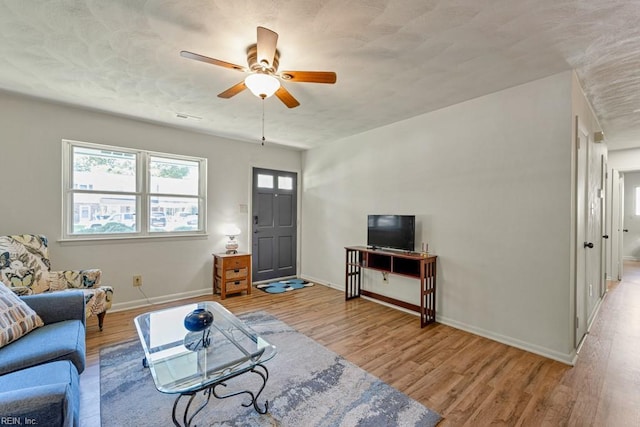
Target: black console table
417,266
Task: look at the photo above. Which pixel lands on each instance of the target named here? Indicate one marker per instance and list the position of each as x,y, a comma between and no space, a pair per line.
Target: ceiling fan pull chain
262,121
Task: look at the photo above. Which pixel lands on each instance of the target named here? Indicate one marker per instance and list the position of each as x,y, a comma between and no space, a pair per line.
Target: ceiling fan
264,78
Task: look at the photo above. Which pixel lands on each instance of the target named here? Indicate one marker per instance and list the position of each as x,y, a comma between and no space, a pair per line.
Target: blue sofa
39,373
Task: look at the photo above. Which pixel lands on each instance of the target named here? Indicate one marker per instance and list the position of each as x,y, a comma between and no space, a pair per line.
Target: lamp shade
262,85
231,230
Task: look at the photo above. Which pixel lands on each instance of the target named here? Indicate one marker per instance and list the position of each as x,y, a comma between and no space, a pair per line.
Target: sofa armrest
57,306
44,405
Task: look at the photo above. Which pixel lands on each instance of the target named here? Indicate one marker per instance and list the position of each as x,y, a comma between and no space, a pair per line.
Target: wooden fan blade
309,76
202,58
288,99
267,41
233,90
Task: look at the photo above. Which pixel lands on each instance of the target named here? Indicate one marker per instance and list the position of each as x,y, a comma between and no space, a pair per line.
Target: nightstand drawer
241,261
236,273
236,286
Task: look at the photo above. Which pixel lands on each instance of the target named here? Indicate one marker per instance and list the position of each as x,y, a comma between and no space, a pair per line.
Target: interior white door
606,233
582,148
616,229
594,243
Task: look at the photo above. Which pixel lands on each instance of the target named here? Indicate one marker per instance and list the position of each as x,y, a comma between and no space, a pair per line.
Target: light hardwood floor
469,380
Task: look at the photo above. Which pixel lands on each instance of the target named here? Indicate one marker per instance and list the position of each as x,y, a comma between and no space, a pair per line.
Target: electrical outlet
137,280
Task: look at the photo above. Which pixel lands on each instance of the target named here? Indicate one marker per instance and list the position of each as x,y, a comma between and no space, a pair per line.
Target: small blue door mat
282,286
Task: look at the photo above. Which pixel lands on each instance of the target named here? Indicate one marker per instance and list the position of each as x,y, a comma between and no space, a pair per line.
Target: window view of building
112,190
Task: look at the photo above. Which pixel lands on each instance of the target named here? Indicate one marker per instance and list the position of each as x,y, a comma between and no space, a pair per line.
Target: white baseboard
323,283
158,300
630,258
569,359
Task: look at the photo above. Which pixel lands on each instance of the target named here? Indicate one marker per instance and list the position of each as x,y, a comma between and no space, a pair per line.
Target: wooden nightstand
231,274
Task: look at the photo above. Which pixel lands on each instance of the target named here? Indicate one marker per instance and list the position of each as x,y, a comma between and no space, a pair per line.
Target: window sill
122,238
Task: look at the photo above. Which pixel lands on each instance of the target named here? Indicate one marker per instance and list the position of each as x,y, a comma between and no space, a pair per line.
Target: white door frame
621,228
616,229
582,173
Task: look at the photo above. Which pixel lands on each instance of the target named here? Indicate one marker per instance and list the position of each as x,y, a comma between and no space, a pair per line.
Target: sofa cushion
54,341
16,317
45,395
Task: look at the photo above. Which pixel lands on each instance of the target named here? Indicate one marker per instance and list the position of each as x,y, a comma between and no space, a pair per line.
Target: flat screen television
391,231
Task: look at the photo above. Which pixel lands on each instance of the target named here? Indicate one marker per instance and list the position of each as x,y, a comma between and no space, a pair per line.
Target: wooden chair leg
101,319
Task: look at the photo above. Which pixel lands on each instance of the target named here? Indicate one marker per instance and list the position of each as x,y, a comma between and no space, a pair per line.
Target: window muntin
120,192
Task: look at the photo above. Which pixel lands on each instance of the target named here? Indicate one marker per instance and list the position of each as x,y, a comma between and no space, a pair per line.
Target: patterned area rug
283,286
309,385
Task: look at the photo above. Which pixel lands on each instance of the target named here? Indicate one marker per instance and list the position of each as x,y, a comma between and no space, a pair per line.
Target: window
115,191
265,181
285,183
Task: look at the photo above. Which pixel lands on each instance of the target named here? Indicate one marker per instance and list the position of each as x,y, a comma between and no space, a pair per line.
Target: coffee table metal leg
258,369
186,419
264,374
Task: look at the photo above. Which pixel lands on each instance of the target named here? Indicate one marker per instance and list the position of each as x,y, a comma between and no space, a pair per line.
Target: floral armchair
25,268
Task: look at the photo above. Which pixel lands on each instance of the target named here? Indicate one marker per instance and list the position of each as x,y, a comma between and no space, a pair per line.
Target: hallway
608,369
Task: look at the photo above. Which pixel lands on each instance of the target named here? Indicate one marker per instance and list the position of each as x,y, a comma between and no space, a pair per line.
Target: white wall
625,160
490,183
30,168
631,239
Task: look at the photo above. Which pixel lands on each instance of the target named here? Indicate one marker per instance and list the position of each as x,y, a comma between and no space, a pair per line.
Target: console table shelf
415,266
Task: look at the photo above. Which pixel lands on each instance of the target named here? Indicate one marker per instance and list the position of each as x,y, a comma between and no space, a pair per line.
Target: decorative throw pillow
16,317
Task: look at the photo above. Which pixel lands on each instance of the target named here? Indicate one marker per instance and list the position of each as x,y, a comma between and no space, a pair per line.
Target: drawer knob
237,270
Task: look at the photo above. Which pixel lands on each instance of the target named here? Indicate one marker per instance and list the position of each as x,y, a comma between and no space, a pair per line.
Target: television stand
416,266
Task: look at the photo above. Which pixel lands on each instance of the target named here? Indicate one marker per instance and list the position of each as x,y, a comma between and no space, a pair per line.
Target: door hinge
577,322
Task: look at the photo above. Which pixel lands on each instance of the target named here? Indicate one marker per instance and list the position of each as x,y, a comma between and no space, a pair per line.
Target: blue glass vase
198,320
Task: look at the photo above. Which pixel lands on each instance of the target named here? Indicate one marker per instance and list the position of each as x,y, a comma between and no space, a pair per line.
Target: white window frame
142,193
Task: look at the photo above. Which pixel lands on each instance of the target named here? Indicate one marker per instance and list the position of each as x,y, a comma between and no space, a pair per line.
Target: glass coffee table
186,363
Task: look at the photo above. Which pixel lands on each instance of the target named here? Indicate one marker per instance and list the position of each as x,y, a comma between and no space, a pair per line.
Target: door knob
626,230
606,236
588,245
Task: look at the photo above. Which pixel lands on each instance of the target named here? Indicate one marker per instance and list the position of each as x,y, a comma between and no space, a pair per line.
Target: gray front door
274,224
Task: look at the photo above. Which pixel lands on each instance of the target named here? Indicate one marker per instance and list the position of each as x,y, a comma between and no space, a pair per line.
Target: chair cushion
16,317
24,263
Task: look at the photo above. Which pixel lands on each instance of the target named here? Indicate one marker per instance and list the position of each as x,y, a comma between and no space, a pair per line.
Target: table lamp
232,244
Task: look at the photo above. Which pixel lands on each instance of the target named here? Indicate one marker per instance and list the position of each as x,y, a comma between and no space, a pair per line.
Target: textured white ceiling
394,59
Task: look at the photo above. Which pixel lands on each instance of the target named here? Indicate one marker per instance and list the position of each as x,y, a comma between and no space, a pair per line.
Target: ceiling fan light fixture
262,85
